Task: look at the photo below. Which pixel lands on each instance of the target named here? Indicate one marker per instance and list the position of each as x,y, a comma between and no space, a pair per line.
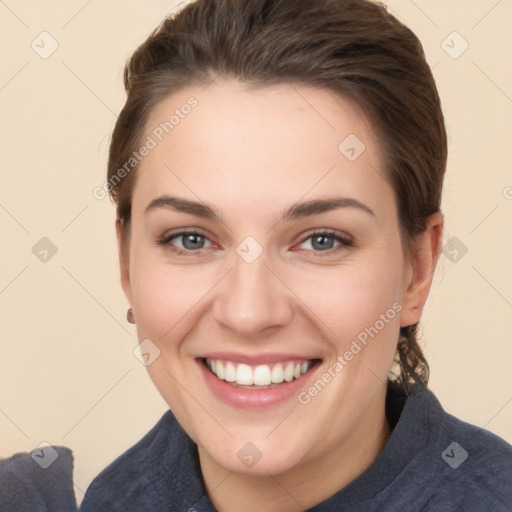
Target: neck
301,487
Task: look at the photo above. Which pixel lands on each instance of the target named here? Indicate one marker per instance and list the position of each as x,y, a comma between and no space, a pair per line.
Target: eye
186,242
191,243
326,241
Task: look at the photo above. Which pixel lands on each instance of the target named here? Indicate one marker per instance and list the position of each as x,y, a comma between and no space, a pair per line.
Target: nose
253,299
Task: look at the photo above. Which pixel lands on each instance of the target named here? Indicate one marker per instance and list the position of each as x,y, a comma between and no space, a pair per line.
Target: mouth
261,376
254,384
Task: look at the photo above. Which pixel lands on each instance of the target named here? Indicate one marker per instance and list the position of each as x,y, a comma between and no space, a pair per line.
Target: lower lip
253,398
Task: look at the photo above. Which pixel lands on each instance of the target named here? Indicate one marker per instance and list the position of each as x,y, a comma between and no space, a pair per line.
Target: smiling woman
277,249
277,243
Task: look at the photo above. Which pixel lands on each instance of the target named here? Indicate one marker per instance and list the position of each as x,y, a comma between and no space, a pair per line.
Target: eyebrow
297,211
185,206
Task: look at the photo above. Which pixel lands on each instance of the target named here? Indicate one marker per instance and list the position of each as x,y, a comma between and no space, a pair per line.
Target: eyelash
344,242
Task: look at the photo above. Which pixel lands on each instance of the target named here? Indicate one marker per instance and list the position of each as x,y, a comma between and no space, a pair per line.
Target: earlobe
423,266
123,260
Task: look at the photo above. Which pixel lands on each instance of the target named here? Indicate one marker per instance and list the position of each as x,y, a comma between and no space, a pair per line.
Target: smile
258,376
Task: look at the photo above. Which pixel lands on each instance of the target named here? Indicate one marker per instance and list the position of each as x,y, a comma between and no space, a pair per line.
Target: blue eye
191,242
324,241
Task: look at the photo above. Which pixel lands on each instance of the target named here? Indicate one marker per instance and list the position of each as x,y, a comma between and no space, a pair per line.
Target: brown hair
353,48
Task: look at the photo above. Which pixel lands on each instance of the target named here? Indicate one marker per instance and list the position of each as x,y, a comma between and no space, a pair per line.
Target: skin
251,155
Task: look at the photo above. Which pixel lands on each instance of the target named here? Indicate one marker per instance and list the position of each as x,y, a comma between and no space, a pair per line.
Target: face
262,248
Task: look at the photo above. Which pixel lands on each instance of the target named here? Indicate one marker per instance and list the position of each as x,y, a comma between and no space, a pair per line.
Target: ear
123,261
421,271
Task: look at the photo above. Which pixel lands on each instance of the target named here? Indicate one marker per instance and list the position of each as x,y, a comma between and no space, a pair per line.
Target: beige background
68,374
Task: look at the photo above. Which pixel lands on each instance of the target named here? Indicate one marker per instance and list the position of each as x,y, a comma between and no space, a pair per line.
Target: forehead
227,141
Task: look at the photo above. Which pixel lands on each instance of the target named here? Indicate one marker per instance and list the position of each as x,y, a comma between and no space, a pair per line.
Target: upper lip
255,359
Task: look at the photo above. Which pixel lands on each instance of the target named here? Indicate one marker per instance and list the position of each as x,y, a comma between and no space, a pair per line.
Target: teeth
261,375
243,374
230,372
277,374
219,370
288,372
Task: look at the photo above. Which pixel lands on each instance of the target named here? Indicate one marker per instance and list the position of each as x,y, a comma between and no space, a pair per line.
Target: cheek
164,295
357,307
168,303
351,298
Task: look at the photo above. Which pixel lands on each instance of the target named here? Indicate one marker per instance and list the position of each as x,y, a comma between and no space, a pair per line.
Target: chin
258,459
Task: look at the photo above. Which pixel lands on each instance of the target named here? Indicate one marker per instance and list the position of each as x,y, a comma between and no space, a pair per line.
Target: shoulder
150,474
481,444
138,456
469,465
132,471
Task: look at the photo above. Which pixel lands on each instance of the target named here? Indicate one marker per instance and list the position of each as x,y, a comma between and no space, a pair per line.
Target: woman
277,171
